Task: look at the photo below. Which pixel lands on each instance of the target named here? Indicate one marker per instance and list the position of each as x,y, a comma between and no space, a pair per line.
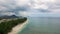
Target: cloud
7,13
40,4
10,6
6,5
24,7
22,2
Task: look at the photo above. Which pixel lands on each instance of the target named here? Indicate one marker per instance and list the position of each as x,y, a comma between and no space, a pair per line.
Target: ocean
42,25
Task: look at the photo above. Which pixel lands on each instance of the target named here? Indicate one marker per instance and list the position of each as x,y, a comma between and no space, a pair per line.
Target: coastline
18,28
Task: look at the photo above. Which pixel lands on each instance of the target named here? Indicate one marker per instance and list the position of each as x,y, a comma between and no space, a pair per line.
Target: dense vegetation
7,26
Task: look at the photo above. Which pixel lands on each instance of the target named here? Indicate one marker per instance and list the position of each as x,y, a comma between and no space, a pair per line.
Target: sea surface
42,25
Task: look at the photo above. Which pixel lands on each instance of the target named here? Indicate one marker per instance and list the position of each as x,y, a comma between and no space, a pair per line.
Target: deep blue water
42,25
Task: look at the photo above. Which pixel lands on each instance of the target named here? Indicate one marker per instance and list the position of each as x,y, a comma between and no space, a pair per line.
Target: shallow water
41,25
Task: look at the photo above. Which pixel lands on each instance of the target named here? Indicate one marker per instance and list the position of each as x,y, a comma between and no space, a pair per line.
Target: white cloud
50,5
22,2
24,13
40,4
7,13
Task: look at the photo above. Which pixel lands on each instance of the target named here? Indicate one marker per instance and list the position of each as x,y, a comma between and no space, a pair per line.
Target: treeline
7,26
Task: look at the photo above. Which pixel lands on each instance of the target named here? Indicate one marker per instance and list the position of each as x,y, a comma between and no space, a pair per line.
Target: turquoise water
40,25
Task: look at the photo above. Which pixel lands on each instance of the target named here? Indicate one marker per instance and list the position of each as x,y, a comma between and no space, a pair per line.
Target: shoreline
18,28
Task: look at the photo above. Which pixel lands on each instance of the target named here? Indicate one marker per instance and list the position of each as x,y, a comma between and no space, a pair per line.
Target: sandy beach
18,28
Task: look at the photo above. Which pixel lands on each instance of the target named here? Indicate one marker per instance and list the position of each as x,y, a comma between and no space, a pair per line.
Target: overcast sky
33,8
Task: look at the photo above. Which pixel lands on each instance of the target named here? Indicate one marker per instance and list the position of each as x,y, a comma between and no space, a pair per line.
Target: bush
6,27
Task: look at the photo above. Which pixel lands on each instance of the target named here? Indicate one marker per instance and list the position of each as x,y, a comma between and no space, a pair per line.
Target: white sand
18,28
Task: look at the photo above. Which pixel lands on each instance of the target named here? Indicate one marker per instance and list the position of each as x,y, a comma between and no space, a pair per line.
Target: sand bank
18,28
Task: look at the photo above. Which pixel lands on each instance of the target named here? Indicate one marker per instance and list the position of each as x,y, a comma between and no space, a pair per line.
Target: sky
32,8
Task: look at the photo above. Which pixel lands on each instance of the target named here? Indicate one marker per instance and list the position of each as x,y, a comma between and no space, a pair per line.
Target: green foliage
0,19
7,26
